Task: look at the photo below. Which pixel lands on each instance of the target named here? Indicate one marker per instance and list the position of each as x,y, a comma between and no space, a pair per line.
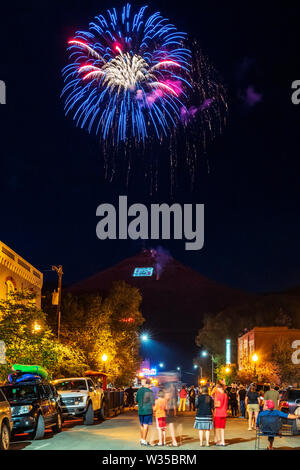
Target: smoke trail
162,257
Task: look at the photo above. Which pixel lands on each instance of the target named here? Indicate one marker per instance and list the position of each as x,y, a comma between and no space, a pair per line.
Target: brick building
260,341
17,274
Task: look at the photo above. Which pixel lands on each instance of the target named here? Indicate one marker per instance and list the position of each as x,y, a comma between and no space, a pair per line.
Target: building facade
260,341
17,274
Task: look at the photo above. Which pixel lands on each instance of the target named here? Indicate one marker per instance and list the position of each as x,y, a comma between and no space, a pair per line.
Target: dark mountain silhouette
175,297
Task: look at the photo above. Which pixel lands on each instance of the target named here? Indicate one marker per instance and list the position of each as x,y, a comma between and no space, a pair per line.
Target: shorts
161,423
219,422
146,419
253,407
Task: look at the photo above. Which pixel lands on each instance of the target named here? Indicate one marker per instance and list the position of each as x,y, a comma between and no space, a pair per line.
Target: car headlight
79,400
21,410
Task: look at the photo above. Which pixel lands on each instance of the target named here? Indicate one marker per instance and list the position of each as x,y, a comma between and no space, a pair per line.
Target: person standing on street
192,397
204,415
273,395
242,397
233,402
171,413
182,396
220,415
145,401
130,397
160,412
252,402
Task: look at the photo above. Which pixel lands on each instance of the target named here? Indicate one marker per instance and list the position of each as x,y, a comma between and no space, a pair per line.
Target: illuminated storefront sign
228,351
147,372
142,272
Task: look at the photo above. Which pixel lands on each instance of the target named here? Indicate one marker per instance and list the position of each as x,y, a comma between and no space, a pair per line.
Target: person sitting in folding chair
269,423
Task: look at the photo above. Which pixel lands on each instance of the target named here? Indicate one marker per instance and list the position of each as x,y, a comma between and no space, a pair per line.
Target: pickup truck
80,397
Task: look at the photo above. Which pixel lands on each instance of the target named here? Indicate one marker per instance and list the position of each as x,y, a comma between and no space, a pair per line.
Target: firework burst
128,75
137,83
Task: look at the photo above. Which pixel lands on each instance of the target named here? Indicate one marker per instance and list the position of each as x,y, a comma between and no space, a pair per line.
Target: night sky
52,173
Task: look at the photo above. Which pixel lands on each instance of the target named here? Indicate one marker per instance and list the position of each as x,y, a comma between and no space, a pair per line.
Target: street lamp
144,337
36,327
205,354
255,359
161,365
104,359
196,366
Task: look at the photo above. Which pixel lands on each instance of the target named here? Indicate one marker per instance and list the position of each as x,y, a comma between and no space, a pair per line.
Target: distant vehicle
6,423
35,406
80,397
289,402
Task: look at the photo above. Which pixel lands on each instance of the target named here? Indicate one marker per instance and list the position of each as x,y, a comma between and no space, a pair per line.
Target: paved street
122,433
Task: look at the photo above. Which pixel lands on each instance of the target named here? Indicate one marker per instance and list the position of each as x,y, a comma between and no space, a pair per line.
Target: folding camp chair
269,426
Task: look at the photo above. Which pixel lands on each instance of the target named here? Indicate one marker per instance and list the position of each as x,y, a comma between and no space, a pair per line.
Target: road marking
44,445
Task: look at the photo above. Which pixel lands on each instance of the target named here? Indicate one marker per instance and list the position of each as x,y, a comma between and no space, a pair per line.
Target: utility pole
59,271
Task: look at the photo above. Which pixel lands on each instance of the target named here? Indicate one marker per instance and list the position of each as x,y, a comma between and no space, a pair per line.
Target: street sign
2,353
55,298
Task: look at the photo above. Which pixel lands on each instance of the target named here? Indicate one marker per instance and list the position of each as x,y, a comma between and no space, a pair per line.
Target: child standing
160,413
204,415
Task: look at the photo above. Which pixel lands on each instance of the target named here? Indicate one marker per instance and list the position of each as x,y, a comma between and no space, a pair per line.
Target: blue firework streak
128,76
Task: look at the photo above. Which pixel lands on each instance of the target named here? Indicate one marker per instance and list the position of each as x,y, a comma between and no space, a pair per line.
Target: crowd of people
213,403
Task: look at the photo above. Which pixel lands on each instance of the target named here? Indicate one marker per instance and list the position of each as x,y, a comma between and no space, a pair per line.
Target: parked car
35,406
80,397
289,402
6,423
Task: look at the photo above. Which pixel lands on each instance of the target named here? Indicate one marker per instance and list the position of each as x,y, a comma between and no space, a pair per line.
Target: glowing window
142,272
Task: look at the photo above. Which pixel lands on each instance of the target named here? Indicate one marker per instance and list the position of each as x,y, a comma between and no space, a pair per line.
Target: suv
80,397
35,406
6,423
289,402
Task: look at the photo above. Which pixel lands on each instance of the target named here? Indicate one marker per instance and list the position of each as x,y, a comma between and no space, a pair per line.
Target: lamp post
255,359
104,359
59,271
204,354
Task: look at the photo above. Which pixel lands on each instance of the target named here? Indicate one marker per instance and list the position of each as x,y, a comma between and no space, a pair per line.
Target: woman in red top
220,414
183,395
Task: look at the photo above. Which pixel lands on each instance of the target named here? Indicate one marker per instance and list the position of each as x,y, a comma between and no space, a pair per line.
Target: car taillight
284,404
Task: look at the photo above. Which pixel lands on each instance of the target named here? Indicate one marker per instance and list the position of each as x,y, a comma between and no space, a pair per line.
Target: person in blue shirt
270,412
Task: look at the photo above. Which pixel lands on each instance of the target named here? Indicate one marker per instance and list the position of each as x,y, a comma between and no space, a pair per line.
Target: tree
107,326
29,340
265,372
282,356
